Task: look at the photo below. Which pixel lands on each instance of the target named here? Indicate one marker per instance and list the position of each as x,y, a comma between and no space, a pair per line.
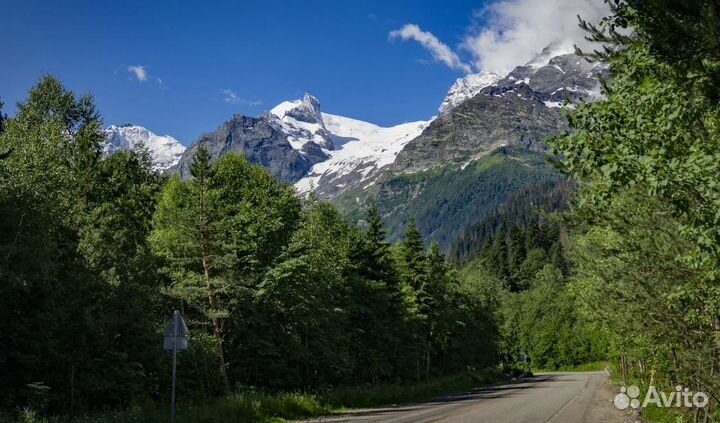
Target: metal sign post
175,340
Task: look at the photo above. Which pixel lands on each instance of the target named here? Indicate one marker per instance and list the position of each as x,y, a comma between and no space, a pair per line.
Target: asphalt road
549,398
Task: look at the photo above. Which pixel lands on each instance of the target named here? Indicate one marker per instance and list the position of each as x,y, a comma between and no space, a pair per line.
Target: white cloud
231,97
511,32
139,72
508,33
440,51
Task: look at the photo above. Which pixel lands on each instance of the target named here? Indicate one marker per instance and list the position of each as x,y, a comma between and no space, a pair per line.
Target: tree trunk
212,299
217,326
72,385
427,361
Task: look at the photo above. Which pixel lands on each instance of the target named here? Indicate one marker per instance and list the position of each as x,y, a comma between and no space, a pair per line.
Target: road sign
175,339
176,333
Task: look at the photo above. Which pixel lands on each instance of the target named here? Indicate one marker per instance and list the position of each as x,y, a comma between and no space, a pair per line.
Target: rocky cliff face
519,110
297,143
263,141
499,116
287,141
566,77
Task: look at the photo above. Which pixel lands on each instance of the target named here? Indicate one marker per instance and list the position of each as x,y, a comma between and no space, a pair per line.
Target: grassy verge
588,367
251,407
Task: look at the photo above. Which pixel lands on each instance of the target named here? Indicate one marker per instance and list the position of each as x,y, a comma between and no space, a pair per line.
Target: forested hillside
532,205
445,200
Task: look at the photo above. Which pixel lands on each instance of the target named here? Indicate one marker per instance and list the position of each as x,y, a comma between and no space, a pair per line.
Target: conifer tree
413,254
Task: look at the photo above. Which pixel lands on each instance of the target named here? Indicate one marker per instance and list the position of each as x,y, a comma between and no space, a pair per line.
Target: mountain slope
165,150
486,144
522,109
515,116
522,208
470,159
302,122
262,141
363,151
445,200
564,77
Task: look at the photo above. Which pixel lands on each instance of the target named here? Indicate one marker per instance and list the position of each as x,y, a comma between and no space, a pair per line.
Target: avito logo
681,397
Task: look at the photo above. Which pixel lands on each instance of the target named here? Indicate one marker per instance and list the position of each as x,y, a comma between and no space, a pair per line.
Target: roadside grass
587,367
260,407
346,398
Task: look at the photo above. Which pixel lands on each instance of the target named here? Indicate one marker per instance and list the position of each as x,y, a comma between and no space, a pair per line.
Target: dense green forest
526,207
619,261
280,293
446,199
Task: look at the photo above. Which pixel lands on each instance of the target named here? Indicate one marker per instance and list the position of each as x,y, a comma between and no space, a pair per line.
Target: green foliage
75,261
217,234
544,324
647,242
2,118
521,259
630,275
305,294
541,319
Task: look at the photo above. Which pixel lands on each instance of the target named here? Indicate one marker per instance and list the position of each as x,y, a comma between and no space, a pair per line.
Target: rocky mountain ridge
521,109
332,155
300,144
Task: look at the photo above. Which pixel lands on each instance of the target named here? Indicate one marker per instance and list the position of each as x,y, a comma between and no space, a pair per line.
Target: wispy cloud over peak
508,33
439,50
231,97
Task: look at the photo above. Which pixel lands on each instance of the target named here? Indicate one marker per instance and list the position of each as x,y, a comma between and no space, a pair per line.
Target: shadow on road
504,389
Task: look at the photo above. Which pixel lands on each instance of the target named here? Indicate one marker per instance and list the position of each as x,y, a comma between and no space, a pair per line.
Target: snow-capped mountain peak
165,150
357,151
467,87
302,121
305,110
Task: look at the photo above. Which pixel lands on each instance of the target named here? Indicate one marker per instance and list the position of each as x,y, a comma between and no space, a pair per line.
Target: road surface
548,398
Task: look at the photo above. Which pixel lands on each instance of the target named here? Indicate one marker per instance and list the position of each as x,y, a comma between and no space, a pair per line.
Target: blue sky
204,61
